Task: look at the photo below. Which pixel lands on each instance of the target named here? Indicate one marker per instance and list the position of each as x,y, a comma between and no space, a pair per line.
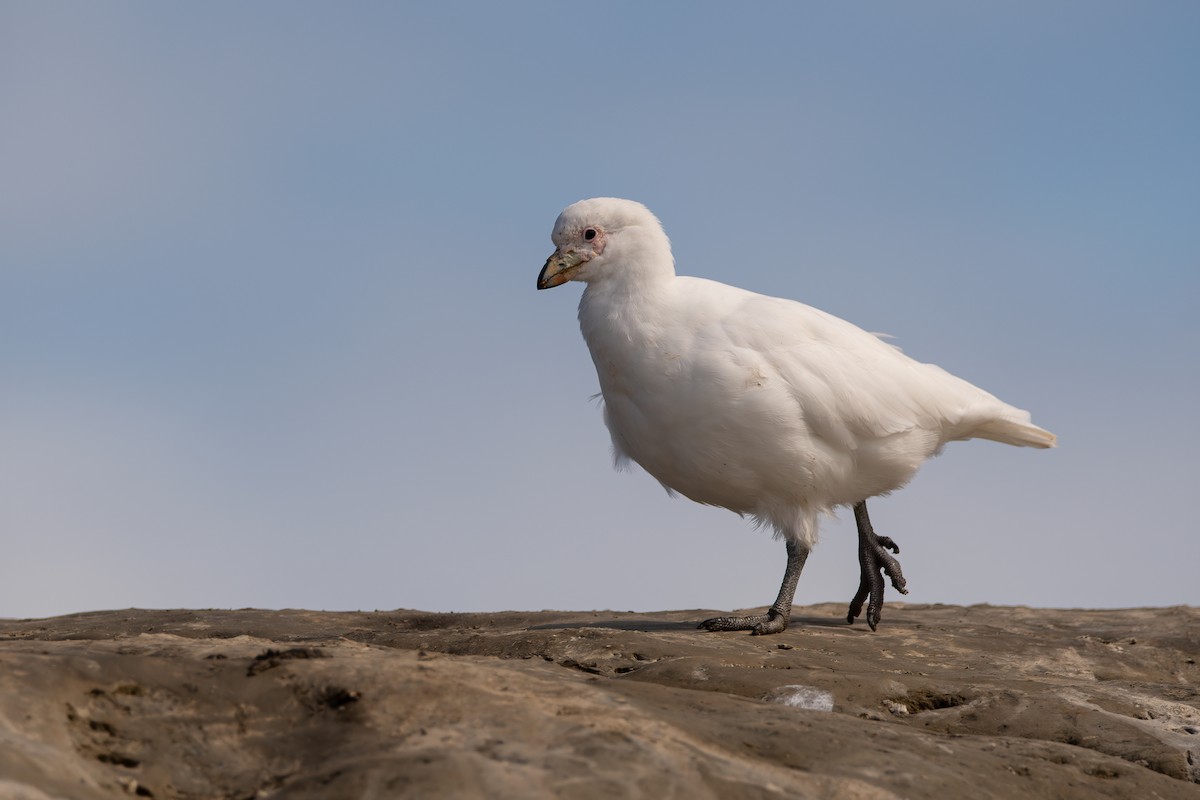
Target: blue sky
269,334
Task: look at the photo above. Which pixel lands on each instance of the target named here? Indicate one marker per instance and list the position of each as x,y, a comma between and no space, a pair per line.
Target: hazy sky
269,334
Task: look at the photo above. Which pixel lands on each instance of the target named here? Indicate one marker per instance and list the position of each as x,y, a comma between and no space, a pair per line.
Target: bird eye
589,234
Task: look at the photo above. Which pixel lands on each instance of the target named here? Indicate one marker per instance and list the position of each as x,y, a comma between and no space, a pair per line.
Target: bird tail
1021,433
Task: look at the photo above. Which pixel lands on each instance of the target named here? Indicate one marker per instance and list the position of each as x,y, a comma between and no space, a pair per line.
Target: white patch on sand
796,696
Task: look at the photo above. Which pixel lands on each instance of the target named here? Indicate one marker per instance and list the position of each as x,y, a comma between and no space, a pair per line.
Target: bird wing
850,387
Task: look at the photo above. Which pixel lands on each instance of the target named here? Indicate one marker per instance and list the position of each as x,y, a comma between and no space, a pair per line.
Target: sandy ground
942,702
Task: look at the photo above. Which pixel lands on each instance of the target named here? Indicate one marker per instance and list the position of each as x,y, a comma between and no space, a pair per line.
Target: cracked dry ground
942,702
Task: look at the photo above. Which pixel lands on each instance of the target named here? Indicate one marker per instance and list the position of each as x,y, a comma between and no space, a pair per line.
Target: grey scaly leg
776,618
873,559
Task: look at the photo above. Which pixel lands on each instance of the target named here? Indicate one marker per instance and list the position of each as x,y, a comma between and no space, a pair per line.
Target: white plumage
767,407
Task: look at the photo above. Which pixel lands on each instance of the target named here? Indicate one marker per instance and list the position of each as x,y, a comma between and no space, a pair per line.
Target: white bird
764,406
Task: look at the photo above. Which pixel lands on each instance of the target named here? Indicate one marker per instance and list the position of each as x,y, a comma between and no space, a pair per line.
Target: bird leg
776,618
873,560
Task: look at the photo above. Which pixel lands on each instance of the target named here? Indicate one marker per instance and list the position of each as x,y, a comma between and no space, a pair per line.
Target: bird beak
559,268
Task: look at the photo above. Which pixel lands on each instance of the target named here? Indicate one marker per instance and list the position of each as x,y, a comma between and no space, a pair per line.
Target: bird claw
889,543
874,562
732,623
757,624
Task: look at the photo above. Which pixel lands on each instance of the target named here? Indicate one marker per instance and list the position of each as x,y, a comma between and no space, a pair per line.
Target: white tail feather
1015,432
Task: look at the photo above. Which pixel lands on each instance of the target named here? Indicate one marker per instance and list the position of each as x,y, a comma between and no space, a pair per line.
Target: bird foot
874,561
757,624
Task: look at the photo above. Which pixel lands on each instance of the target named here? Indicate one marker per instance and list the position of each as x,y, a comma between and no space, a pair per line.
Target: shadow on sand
657,626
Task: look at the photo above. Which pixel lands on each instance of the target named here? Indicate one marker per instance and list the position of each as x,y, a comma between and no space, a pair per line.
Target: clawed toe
889,543
874,562
732,623
757,624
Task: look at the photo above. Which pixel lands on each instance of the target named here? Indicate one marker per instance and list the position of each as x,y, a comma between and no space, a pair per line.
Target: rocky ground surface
941,702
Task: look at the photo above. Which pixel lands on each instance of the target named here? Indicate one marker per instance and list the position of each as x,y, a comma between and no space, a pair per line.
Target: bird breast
708,419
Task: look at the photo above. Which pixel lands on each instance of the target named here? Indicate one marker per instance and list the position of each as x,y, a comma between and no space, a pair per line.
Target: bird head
606,238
